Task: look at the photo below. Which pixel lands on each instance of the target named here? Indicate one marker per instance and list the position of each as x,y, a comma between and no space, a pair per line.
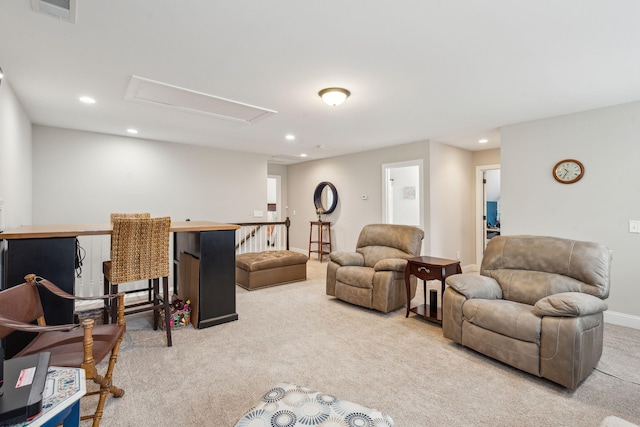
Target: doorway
402,193
273,198
487,207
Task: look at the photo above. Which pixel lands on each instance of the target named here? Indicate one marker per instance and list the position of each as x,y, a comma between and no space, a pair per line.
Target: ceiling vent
64,10
161,94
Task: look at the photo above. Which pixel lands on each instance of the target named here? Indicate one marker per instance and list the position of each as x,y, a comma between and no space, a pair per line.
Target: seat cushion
359,277
254,261
509,318
67,348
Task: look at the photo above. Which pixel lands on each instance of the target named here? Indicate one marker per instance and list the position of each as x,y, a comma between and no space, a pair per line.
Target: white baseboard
622,319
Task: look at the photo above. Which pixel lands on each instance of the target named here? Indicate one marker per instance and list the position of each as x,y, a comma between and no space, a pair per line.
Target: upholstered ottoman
260,269
290,405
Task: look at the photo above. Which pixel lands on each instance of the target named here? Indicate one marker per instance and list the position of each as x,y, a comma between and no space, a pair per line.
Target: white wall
598,207
15,160
486,157
447,189
81,177
451,203
353,176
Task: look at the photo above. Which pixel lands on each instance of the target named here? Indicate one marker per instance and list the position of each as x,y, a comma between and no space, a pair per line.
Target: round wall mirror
325,197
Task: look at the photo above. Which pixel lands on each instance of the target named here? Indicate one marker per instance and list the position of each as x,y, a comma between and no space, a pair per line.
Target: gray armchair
537,305
373,276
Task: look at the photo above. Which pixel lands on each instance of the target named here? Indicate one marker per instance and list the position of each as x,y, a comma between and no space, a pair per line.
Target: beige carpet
404,367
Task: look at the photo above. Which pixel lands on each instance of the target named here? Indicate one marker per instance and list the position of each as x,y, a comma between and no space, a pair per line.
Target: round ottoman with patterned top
290,405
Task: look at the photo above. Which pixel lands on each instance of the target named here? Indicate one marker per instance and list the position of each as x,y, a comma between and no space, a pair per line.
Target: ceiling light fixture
334,95
1,75
303,155
483,141
132,131
290,137
87,100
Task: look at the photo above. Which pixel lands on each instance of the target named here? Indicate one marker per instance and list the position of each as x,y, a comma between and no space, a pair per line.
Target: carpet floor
402,366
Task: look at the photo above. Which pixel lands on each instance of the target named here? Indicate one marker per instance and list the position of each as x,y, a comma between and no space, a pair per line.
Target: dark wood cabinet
205,262
53,259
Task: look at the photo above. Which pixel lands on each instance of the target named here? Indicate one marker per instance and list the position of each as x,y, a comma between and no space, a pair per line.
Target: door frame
480,211
385,196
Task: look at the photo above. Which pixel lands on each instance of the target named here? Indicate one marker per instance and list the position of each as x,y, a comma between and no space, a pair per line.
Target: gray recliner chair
373,276
537,305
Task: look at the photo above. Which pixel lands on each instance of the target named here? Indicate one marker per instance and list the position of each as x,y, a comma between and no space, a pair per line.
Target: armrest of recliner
474,286
347,258
391,264
569,304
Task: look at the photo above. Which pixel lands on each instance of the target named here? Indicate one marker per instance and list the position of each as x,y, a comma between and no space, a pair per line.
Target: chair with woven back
76,346
140,251
106,266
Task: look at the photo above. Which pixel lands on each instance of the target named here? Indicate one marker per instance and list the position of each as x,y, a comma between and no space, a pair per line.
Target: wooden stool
321,243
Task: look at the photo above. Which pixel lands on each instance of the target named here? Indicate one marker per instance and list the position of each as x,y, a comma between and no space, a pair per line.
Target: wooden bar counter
75,230
50,251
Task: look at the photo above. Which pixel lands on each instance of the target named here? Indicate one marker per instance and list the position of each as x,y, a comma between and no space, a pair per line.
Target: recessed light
132,130
303,155
483,141
290,137
87,100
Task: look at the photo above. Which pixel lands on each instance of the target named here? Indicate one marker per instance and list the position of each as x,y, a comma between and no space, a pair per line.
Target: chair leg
113,289
107,302
167,309
156,303
89,366
106,385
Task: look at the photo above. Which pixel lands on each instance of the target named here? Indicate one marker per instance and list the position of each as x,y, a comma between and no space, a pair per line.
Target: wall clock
568,171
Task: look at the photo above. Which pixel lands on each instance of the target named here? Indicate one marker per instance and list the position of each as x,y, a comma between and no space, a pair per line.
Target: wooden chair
106,265
140,251
70,345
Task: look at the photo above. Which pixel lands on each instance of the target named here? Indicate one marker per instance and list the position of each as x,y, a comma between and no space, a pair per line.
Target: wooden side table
321,244
429,268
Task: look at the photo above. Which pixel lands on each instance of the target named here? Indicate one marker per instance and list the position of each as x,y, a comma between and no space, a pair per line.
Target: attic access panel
152,92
